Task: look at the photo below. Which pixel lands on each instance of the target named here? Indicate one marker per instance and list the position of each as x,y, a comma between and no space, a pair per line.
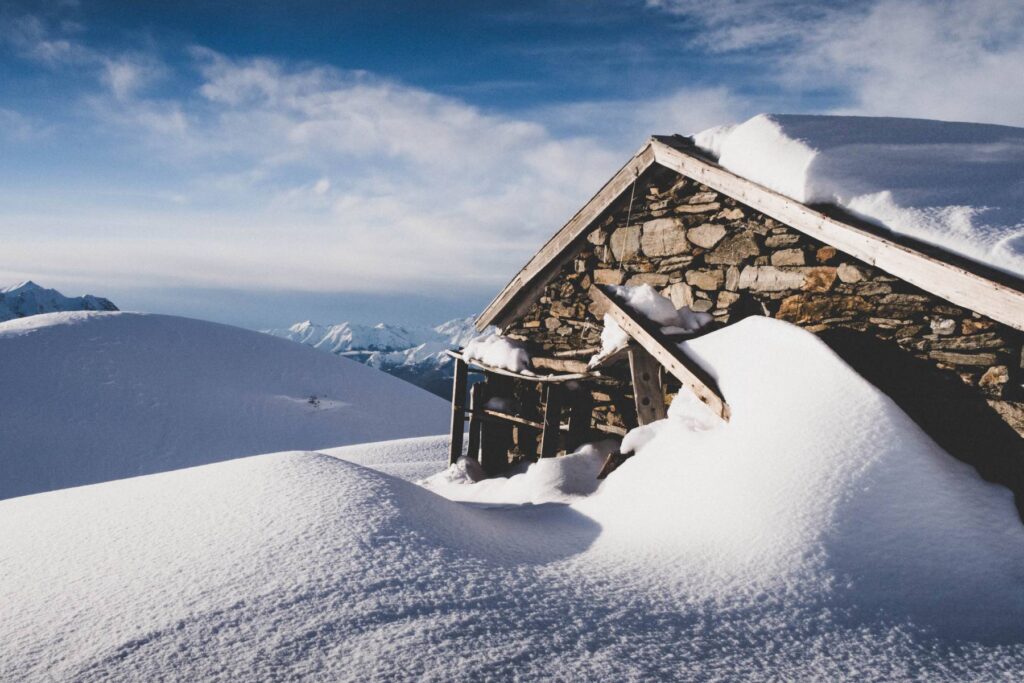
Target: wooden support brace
647,388
476,403
552,420
458,410
579,419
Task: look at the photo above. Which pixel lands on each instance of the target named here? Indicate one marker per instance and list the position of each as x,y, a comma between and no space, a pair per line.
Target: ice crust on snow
88,397
953,185
499,352
818,535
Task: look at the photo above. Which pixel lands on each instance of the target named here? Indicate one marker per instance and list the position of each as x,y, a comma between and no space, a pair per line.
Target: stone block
708,280
788,257
819,279
607,276
825,254
652,279
734,250
770,279
706,235
625,243
944,326
680,293
781,240
850,273
698,208
663,237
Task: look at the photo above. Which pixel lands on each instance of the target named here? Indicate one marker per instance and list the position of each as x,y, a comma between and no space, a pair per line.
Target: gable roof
995,295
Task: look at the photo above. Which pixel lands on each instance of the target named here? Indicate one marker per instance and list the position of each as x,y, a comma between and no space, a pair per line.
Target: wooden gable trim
543,266
666,352
957,285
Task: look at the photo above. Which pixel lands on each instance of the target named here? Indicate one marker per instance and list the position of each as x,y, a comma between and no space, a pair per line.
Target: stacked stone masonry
707,251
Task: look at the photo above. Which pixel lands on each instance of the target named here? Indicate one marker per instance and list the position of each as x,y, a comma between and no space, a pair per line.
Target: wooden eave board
531,277
569,377
671,357
955,284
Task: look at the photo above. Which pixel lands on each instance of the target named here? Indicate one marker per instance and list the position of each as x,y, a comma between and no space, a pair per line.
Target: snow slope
840,545
88,397
959,186
28,298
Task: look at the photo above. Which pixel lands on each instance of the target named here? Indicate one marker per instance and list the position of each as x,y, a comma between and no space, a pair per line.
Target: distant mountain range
415,354
28,298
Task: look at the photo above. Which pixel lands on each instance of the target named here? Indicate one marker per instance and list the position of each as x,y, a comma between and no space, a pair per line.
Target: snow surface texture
88,397
659,309
819,535
499,352
954,185
415,354
28,298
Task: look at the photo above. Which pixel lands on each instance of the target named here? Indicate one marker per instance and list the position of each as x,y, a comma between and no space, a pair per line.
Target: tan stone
552,323
972,325
726,299
788,257
770,279
652,279
607,276
850,273
625,243
663,237
734,250
732,214
702,198
706,235
826,254
531,324
819,279
597,236
698,208
782,240
943,326
681,294
802,309
732,278
995,378
708,280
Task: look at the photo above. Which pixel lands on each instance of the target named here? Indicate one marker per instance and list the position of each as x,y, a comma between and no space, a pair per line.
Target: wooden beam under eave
667,353
543,266
957,285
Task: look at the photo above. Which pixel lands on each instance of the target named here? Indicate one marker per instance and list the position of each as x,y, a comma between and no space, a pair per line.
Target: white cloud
947,59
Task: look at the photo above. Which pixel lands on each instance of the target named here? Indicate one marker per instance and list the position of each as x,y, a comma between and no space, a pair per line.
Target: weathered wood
495,434
945,280
580,413
612,462
552,420
458,410
577,353
477,398
569,377
559,364
647,388
538,271
691,375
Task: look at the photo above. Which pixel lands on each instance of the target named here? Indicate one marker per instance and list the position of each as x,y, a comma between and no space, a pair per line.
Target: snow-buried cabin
940,334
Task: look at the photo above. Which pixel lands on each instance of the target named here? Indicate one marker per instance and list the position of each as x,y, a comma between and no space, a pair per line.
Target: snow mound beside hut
953,185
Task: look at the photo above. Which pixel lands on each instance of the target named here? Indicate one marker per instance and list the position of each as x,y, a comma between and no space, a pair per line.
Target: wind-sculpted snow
88,397
954,185
843,545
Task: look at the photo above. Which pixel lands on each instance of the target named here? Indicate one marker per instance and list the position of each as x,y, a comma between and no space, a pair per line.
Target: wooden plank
458,410
569,377
538,271
957,285
568,365
647,389
552,420
666,353
476,402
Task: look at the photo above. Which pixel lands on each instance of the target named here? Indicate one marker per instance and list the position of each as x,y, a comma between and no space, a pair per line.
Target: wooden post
458,410
579,419
495,435
647,388
552,420
476,406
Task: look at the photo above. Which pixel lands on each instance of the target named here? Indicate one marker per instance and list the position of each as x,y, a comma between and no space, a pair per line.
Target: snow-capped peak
28,298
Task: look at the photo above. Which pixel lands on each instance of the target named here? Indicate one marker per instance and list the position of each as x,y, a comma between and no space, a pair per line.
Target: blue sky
264,162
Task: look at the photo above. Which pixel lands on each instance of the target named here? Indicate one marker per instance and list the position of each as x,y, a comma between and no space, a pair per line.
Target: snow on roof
958,186
765,548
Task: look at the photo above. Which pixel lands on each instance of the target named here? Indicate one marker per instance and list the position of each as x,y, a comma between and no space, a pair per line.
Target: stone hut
941,336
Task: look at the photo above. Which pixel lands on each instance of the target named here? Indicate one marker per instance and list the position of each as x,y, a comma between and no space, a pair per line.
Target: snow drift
88,397
818,535
954,185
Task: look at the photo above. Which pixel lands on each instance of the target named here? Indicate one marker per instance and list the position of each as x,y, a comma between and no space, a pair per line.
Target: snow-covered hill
954,185
88,397
416,354
842,545
28,298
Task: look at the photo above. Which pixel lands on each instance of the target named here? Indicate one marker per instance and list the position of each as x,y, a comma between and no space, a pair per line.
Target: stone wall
707,251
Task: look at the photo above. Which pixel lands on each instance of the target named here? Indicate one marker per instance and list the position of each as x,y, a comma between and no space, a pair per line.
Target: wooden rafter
665,351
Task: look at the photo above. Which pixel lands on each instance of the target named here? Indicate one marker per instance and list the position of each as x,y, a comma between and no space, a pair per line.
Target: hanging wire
632,194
